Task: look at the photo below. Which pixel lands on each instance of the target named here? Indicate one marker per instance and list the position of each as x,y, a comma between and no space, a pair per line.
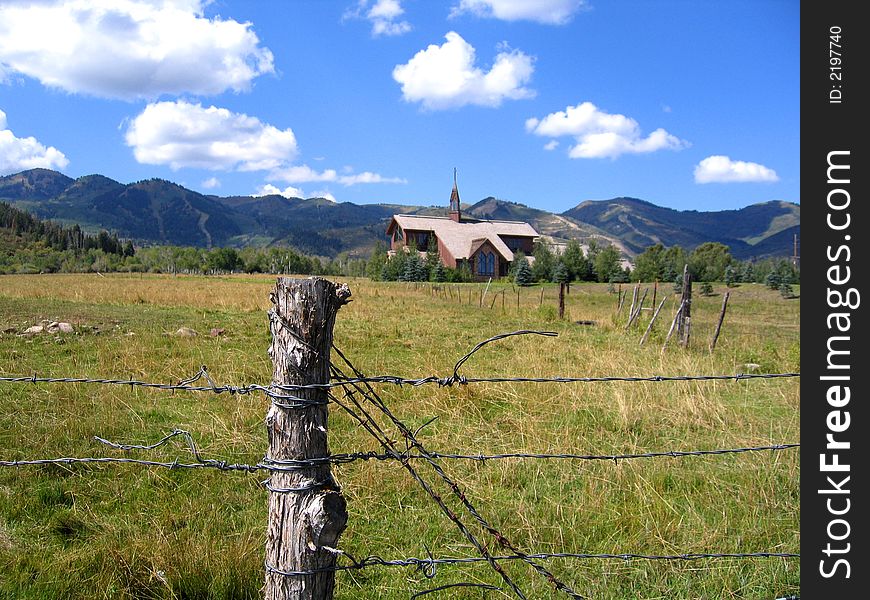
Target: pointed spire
455,210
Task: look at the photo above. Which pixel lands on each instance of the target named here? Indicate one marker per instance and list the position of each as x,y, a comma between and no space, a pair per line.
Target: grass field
127,531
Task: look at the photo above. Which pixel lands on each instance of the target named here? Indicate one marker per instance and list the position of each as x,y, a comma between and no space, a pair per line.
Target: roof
460,238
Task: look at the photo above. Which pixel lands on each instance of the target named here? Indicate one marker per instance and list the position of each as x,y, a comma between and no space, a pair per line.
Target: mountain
756,231
556,228
159,211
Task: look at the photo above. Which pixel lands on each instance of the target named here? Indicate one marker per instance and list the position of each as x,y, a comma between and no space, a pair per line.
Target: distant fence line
360,400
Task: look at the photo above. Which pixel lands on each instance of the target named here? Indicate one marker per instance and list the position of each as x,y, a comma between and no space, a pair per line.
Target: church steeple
455,210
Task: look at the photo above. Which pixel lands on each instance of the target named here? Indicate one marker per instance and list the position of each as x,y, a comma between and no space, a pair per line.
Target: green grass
126,531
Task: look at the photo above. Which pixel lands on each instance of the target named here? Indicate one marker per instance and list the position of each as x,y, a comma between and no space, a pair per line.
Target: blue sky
686,104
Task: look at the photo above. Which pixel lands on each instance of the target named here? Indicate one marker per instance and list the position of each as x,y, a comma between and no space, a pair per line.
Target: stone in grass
34,329
216,331
60,327
185,332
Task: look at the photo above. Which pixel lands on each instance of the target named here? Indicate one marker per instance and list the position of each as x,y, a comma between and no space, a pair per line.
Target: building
487,247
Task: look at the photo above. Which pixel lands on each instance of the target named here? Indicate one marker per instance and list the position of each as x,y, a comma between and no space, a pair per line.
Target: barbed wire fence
355,394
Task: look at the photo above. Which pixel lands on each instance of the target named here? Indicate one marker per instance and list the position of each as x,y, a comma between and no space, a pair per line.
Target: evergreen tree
438,273
730,277
522,270
561,274
786,290
773,280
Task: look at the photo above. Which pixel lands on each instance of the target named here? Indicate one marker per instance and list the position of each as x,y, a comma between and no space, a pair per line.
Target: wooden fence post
685,324
562,287
651,321
673,326
719,324
306,508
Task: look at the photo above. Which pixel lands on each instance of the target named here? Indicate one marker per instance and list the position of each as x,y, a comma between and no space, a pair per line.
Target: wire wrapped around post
307,512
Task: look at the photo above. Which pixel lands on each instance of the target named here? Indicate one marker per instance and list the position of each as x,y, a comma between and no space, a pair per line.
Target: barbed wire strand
371,426
430,562
345,458
371,395
484,586
388,379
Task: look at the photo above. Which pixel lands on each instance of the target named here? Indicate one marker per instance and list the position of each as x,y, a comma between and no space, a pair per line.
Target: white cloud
721,169
549,12
181,134
305,174
326,194
383,15
19,154
551,145
302,174
445,76
129,49
270,190
211,183
601,135
368,177
291,192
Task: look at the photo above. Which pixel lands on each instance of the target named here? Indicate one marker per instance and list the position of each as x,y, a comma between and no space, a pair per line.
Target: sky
686,104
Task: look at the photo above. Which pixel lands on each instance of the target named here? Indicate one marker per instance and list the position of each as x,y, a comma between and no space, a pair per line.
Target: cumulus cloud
305,174
368,177
129,49
271,190
549,12
599,134
325,194
383,15
721,169
551,145
445,76
19,154
291,192
182,134
211,183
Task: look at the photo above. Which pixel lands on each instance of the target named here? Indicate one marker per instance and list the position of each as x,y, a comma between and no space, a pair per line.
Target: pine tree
773,280
438,273
522,271
561,274
730,277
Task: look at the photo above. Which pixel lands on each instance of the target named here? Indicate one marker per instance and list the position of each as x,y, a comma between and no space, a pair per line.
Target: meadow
128,531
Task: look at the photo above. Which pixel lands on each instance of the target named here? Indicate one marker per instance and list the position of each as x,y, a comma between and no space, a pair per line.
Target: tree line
711,261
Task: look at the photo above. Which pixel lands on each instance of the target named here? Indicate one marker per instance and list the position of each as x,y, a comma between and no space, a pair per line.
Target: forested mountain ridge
157,211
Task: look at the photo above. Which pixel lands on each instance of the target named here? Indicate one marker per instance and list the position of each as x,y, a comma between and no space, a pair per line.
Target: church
487,247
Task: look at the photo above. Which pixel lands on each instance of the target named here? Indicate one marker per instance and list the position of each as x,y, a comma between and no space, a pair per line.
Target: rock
750,366
34,329
60,327
216,331
185,332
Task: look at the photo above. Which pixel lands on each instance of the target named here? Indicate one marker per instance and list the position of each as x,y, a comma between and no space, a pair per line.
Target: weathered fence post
719,324
562,287
306,509
651,321
685,324
673,326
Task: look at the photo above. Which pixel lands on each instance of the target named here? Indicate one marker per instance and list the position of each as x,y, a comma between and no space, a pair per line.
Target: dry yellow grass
110,532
